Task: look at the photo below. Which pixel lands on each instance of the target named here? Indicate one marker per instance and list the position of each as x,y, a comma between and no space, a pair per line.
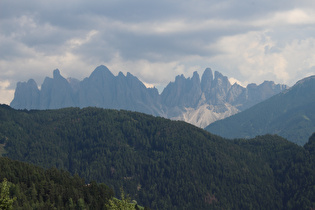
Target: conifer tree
6,203
123,204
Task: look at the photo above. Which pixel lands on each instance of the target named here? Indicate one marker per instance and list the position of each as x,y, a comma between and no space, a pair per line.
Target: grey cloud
11,50
269,50
31,29
157,47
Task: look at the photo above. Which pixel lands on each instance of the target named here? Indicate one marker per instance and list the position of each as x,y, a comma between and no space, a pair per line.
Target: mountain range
199,101
290,114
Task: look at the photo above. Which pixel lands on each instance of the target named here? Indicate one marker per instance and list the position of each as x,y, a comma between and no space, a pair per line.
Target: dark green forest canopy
161,163
36,188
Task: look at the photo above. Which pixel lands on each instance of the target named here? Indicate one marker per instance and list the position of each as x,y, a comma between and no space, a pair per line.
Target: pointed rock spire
206,80
56,74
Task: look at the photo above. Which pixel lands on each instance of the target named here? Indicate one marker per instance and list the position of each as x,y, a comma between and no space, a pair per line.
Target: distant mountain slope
194,100
161,163
290,114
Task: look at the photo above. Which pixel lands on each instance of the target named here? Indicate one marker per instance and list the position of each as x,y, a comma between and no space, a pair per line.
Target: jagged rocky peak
233,96
183,92
32,83
56,92
182,80
101,72
206,80
221,80
56,74
194,92
120,74
207,74
179,78
134,80
269,83
251,85
221,83
154,92
195,77
267,88
219,89
194,84
26,95
57,78
129,75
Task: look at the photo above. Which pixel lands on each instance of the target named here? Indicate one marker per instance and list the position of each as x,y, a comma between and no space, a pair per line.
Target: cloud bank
251,41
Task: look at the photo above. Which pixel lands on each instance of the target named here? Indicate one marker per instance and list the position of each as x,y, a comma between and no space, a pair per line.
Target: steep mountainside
290,114
194,100
161,163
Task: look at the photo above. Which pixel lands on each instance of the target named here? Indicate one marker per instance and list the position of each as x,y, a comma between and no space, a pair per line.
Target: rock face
184,92
213,98
56,93
103,89
26,95
194,100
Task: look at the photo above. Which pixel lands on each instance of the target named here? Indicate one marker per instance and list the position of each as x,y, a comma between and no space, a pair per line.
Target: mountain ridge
197,100
289,114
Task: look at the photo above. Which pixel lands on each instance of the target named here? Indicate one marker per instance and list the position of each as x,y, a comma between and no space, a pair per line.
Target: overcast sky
248,40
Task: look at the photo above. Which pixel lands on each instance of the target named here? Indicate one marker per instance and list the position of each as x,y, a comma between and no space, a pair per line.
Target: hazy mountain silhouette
194,100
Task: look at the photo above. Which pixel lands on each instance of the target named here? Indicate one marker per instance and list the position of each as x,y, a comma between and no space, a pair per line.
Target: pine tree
6,202
123,204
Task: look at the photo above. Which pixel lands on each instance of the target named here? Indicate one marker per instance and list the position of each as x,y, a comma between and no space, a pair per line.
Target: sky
249,41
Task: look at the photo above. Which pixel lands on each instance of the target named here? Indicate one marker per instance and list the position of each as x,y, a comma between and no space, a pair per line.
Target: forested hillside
36,188
162,163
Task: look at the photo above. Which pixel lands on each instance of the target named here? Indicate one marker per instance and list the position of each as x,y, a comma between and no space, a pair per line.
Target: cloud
6,95
76,42
289,18
152,73
250,41
258,57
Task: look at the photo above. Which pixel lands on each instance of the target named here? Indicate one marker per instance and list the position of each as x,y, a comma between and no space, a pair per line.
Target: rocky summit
194,100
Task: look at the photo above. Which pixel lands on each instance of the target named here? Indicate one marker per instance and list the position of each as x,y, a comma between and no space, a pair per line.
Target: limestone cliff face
56,93
194,100
103,89
183,92
26,95
213,98
97,90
